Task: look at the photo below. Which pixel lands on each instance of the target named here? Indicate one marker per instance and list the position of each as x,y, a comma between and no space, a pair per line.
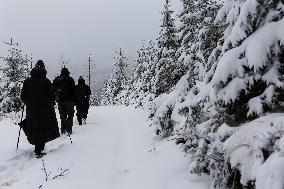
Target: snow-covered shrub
199,157
256,150
94,100
220,170
14,71
163,109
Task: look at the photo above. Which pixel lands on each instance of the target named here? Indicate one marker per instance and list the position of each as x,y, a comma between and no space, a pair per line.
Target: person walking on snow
64,86
38,95
83,93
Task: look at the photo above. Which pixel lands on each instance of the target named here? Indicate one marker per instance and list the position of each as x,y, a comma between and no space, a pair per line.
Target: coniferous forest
213,81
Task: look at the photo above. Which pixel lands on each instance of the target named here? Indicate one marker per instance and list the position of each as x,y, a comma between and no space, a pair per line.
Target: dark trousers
79,118
82,110
66,111
81,115
39,148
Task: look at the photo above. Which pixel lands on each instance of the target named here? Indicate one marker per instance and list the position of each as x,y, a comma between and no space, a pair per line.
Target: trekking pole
20,128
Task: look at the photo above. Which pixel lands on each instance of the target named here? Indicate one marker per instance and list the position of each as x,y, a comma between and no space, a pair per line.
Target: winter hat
65,71
81,78
39,65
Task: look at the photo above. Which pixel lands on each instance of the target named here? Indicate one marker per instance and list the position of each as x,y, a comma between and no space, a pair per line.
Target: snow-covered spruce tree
201,41
141,82
15,69
203,116
117,83
166,75
106,98
167,71
123,96
94,99
199,38
198,49
247,78
196,144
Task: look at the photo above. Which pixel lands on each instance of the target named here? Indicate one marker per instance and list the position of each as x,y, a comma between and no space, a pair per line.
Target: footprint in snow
28,155
54,147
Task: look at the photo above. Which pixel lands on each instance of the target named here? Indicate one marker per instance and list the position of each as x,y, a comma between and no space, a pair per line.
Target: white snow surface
115,150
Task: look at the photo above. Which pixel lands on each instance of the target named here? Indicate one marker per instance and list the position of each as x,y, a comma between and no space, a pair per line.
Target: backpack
61,88
81,92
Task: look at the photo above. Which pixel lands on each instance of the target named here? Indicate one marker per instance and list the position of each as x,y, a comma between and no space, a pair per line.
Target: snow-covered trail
115,150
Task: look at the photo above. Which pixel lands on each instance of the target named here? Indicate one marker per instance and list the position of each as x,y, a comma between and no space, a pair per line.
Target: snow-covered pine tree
94,99
136,80
14,70
245,77
117,83
201,41
248,76
185,35
166,68
199,37
142,75
106,98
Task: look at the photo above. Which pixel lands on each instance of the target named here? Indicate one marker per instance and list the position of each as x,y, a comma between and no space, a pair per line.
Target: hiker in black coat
64,86
38,95
83,93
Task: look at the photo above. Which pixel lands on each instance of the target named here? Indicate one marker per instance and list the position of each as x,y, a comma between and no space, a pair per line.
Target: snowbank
257,150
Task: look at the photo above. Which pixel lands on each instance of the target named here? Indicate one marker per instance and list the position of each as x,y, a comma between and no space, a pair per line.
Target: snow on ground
115,150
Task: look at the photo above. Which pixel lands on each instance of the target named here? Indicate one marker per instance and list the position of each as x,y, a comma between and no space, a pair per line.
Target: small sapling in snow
61,172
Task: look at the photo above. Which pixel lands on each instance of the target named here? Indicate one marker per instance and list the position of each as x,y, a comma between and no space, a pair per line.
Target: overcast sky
50,29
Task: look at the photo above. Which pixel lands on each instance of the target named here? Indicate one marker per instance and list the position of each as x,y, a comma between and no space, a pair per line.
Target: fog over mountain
53,30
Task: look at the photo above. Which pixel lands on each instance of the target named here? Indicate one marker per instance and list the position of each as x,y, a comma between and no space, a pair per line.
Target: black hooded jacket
38,95
68,83
83,93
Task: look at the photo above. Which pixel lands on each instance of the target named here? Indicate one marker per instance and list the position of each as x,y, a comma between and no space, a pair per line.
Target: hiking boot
40,155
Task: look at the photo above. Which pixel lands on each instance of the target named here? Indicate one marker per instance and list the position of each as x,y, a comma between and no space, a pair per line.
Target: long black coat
83,93
38,95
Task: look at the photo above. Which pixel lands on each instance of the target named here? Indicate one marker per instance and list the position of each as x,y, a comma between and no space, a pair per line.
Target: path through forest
115,150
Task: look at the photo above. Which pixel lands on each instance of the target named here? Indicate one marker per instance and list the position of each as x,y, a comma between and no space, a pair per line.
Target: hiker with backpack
64,86
83,93
38,95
